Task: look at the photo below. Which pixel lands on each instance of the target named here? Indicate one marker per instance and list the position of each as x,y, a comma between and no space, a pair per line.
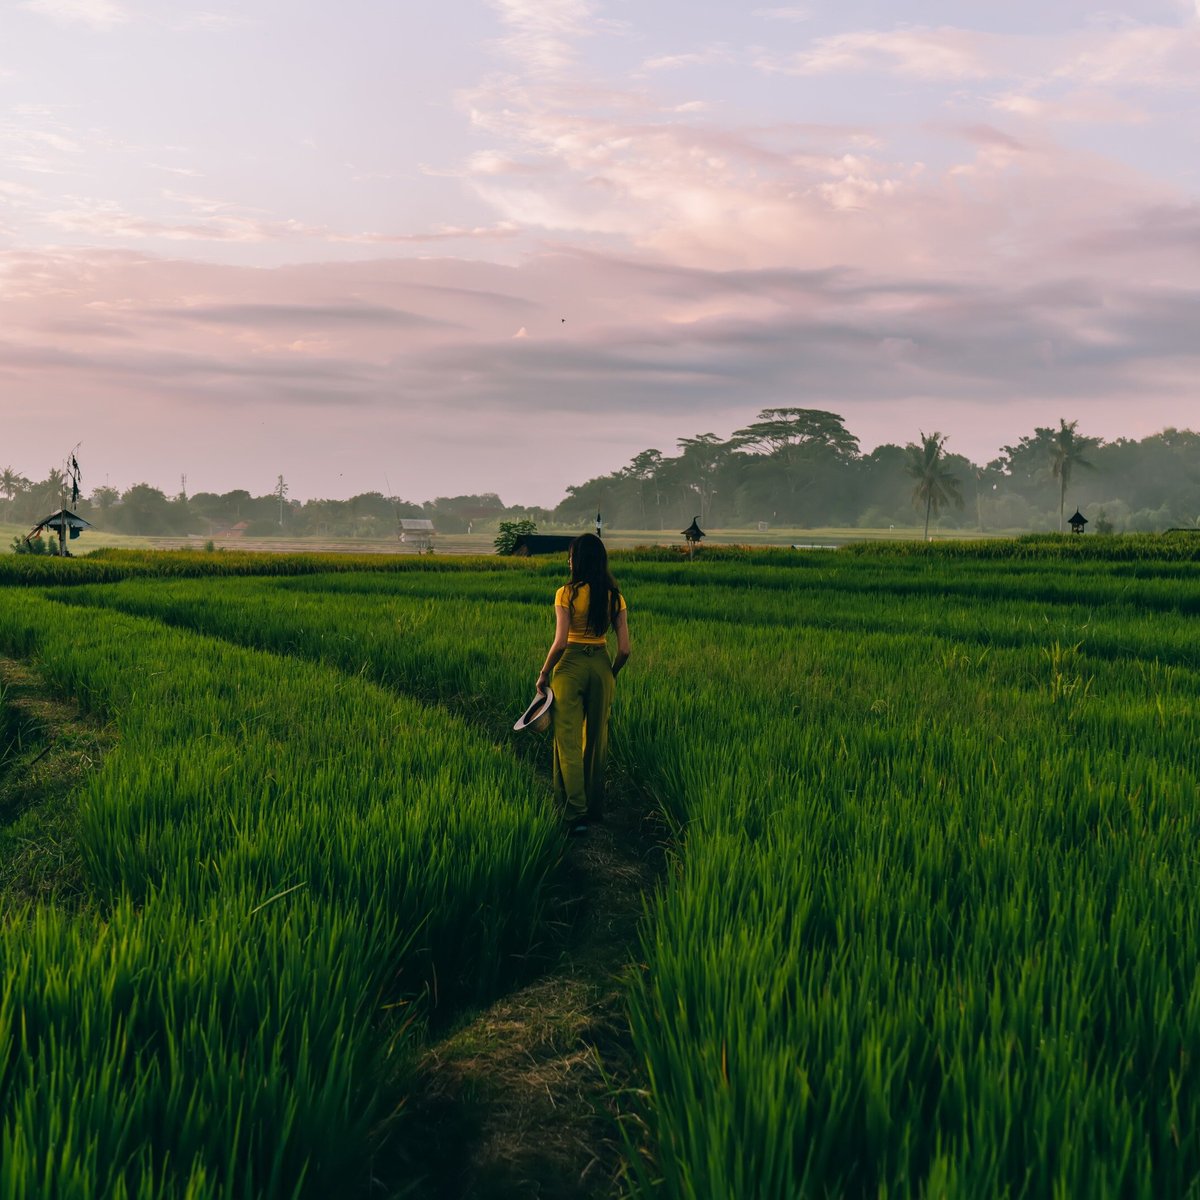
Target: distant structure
693,533
1078,521
417,532
530,544
64,523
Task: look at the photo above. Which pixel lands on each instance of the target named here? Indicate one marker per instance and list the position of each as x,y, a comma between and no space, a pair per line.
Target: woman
579,672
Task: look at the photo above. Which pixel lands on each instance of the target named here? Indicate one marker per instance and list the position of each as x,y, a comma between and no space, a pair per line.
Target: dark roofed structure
529,544
64,523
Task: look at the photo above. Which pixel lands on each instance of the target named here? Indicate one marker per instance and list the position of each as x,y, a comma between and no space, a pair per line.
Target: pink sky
504,246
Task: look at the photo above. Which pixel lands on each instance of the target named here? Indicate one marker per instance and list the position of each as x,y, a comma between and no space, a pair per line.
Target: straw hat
537,715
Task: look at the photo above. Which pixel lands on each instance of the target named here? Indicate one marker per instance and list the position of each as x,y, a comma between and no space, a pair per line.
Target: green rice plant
930,930
278,857
155,1055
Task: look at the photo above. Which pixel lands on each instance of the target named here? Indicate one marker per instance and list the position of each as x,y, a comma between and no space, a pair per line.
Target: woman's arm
562,626
622,627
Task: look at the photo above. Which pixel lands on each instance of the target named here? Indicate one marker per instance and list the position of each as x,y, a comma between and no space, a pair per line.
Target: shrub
509,531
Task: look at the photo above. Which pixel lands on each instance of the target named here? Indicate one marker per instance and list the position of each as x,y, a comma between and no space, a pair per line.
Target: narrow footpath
522,1101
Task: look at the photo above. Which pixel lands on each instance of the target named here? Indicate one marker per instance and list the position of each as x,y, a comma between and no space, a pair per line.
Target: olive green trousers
583,686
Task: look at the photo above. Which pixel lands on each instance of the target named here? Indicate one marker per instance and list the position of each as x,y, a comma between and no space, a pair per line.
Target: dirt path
520,1101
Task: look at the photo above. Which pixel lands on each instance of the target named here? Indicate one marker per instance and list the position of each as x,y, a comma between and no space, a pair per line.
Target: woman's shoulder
562,598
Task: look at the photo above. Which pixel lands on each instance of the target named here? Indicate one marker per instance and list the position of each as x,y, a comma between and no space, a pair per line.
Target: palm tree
10,484
936,487
1067,449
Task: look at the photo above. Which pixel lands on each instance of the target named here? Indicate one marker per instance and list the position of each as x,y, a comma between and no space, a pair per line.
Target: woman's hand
543,681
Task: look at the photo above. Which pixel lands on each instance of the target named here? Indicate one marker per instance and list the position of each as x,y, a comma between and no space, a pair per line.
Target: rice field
929,929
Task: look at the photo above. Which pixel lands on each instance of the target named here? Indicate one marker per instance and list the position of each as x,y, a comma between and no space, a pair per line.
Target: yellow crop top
579,634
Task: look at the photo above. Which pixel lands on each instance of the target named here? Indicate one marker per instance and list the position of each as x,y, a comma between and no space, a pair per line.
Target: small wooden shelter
64,523
416,532
1078,521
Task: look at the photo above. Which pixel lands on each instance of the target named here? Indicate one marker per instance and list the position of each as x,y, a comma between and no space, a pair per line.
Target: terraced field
928,928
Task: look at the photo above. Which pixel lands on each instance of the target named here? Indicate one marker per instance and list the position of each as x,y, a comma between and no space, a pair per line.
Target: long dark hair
589,564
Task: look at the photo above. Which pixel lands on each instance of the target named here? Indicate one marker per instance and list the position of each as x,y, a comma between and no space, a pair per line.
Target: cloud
1082,106
217,221
294,315
97,14
696,58
795,13
666,350
935,54
212,22
1157,230
1152,56
543,32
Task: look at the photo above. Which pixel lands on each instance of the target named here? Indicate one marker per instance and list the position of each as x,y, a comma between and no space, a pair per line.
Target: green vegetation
509,531
929,932
791,468
285,869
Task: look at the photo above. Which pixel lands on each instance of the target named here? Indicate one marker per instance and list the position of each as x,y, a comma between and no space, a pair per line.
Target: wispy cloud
543,33
1154,56
940,54
97,14
695,58
212,22
795,13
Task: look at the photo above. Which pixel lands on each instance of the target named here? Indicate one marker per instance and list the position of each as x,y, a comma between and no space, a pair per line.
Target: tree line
802,468
149,512
790,468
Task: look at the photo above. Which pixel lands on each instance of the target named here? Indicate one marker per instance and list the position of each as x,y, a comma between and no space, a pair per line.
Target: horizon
507,246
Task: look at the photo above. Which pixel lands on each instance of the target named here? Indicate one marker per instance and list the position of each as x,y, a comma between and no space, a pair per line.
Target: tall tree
702,457
646,467
1067,449
794,450
789,433
936,487
11,483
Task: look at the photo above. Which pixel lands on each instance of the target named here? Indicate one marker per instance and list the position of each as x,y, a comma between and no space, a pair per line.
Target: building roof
542,543
55,521
416,525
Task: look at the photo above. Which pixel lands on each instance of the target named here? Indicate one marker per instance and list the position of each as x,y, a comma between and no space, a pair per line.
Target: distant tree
794,450
145,510
11,485
1067,449
646,467
701,460
790,432
51,490
935,487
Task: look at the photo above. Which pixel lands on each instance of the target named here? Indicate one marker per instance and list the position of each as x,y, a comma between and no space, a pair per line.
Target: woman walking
580,674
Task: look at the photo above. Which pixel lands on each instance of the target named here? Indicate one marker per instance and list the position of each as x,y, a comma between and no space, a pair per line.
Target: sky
431,249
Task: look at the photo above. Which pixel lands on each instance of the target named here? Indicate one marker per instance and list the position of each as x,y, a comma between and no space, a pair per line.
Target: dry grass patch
524,1099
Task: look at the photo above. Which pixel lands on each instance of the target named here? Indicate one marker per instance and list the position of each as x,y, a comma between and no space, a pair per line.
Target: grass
50,754
928,930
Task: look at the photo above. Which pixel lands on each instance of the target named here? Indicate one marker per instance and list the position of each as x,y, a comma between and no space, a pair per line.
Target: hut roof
57,519
1077,519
